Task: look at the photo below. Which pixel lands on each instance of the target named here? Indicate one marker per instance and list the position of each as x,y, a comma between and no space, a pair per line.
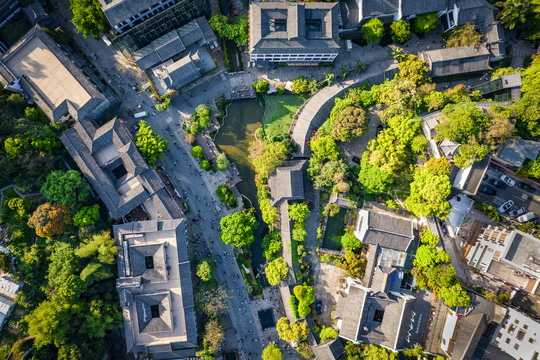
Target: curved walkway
16,191
317,109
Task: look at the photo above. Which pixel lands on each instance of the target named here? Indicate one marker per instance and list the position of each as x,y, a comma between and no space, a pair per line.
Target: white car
516,212
507,205
527,217
508,180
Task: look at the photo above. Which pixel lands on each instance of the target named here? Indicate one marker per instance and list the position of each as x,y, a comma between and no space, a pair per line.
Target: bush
222,162
373,30
293,304
401,30
261,86
299,85
226,195
197,152
328,333
88,215
272,244
204,164
425,23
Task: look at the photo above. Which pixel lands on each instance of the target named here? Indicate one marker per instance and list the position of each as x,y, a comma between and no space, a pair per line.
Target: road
185,174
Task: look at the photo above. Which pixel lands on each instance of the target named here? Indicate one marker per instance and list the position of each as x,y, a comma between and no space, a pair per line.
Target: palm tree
359,66
343,72
328,78
514,12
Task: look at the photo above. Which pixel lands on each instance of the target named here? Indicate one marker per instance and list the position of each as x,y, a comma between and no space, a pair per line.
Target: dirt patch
327,282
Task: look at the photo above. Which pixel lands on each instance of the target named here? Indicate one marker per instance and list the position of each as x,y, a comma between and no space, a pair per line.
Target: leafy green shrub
88,215
197,152
299,85
261,86
425,23
293,304
226,195
222,162
373,30
201,119
272,244
401,30
204,164
327,333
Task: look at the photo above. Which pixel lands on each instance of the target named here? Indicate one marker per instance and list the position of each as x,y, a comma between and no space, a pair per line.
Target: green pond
243,118
334,229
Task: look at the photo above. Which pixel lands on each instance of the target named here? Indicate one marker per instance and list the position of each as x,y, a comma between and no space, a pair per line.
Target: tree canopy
50,220
429,191
292,332
298,211
328,333
464,36
350,241
299,85
237,229
87,17
67,188
401,30
233,28
276,270
205,269
425,23
527,108
222,162
272,352
151,145
373,30
272,244
88,215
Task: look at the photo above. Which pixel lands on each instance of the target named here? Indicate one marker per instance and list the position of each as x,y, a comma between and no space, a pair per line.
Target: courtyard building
282,32
156,293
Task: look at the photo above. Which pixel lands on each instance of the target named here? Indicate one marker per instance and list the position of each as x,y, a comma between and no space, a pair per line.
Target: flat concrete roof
44,69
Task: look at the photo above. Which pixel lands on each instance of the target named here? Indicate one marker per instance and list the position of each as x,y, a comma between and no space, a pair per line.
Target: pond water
243,118
334,228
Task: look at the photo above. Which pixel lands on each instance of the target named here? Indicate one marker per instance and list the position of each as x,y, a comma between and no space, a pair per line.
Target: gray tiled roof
55,113
379,7
182,72
389,231
329,350
478,12
117,11
84,141
516,151
149,323
417,7
457,60
287,182
267,38
350,310
174,44
138,254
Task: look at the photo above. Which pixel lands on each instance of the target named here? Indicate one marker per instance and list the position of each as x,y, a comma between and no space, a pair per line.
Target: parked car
526,187
318,307
526,217
496,183
487,190
507,205
508,180
516,212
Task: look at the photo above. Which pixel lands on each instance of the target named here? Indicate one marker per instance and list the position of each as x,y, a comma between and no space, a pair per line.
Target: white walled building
518,336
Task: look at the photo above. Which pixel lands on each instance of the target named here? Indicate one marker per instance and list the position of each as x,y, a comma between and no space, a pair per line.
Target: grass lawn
279,112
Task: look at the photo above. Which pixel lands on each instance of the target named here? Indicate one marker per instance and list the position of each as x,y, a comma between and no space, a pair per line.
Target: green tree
304,350
328,333
101,251
67,188
214,335
201,119
88,215
324,148
205,269
204,164
34,114
272,352
374,352
197,152
464,36
429,191
299,234
372,178
435,100
354,264
298,211
299,85
359,67
292,332
100,317
428,238
328,79
425,23
461,121
401,30
413,69
222,162
226,195
272,244
331,210
427,256
514,12
454,296
237,229
21,206
276,270
373,30
272,156
350,241
49,323
50,220
306,296
261,86
350,123
235,29
293,304
151,145
87,17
